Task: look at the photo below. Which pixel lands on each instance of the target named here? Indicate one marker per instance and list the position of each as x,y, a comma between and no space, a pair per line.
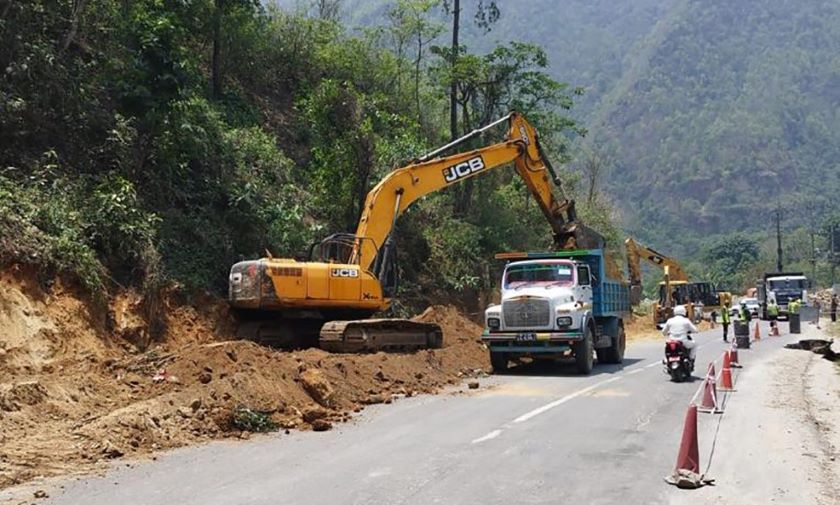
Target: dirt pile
75,391
824,298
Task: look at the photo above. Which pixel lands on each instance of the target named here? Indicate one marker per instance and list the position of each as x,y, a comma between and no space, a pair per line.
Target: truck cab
782,288
556,305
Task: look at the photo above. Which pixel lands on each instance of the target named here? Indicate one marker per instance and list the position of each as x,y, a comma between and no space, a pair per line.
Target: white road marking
560,401
490,436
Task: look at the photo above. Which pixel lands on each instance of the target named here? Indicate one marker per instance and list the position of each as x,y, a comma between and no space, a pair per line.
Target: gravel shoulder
780,435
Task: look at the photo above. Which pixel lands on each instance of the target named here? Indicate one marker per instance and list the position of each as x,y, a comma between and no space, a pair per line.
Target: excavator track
266,328
372,335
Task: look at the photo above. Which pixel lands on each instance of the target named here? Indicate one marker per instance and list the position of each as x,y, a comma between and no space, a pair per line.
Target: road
542,435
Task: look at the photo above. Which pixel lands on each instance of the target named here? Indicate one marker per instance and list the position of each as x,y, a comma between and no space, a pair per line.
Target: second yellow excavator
349,277
674,289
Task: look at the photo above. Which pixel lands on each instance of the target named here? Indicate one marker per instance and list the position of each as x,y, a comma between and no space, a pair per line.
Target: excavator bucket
578,236
373,335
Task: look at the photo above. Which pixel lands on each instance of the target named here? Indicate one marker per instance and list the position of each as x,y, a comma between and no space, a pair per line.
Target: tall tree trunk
417,63
216,64
453,90
78,8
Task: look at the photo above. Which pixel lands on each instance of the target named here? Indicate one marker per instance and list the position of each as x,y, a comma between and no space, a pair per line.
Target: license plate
526,337
673,358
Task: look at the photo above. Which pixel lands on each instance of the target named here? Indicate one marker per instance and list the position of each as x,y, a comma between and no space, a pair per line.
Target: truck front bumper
531,342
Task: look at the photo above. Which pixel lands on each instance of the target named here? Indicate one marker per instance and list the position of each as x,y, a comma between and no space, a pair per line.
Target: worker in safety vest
724,320
772,310
744,313
793,307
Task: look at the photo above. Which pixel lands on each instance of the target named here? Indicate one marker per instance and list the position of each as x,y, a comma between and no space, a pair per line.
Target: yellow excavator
347,278
674,289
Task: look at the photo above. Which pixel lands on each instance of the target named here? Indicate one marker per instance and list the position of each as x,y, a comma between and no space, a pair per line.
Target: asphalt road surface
539,435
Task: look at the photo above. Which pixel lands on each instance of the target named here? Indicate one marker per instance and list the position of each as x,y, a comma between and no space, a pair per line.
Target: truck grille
527,313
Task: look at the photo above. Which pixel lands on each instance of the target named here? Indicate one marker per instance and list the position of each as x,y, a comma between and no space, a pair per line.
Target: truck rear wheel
583,353
499,361
614,354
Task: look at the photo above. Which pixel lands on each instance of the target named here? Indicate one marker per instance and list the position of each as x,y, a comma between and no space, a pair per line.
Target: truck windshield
797,284
519,275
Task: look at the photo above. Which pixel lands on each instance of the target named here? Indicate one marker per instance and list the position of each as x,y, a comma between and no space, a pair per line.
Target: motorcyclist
678,328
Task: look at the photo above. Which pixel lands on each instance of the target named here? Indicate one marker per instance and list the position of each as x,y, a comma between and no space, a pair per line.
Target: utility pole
813,258
778,239
832,255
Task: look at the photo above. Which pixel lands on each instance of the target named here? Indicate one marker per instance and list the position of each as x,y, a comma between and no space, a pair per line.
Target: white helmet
679,310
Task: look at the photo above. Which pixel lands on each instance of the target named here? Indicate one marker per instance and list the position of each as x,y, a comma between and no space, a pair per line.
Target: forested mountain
735,110
709,113
149,142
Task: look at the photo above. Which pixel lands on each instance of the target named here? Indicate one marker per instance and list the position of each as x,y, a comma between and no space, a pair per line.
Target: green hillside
735,109
711,113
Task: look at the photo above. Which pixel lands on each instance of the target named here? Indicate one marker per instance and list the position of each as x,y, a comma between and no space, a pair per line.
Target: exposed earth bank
80,386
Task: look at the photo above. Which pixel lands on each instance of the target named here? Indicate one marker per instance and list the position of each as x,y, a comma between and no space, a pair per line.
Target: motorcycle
677,362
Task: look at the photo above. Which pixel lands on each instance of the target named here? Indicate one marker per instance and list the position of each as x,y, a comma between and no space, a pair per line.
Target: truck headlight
494,323
564,321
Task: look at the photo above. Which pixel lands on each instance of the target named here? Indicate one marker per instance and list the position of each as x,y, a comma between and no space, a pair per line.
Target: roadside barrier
733,357
689,455
687,471
709,402
726,373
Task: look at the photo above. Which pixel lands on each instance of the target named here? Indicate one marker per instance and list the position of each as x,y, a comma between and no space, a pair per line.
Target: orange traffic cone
774,329
757,332
733,357
709,403
689,455
726,373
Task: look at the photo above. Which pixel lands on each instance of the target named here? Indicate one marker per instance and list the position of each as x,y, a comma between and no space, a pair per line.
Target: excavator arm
635,253
430,173
353,276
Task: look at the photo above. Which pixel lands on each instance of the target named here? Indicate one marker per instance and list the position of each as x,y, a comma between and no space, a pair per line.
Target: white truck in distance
556,305
782,288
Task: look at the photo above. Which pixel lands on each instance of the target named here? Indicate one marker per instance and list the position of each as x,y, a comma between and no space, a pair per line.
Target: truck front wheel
499,361
583,353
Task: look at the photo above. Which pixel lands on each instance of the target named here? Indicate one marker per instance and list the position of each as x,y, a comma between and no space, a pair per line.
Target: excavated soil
641,328
76,390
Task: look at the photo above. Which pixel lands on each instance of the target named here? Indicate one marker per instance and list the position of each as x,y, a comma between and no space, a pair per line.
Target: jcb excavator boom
353,276
635,252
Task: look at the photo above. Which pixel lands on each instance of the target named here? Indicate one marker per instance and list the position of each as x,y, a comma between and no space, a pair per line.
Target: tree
487,13
511,77
730,260
328,10
230,19
410,21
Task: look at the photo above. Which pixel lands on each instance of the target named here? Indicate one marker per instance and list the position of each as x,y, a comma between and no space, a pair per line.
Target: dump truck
556,305
328,298
783,288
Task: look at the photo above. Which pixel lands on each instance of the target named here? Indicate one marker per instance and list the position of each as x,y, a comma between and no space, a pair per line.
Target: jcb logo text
344,272
461,170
